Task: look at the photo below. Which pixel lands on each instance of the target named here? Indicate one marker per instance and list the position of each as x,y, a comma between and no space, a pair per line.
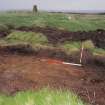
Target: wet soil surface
19,71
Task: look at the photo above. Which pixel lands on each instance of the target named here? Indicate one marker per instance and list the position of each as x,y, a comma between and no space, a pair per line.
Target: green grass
26,37
59,20
98,51
70,47
74,46
38,39
42,97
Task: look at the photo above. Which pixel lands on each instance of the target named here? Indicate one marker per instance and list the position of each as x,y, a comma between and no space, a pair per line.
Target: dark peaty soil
55,35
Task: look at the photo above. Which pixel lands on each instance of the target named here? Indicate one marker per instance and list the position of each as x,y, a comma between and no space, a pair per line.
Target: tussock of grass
26,37
88,44
42,97
74,46
98,51
70,47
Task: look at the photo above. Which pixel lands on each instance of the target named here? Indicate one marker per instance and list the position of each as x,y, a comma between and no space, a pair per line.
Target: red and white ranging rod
80,60
67,63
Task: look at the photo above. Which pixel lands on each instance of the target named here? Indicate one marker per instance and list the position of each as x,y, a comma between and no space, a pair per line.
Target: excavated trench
22,67
54,53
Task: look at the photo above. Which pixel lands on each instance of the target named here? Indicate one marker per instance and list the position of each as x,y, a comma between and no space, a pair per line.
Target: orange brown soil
22,72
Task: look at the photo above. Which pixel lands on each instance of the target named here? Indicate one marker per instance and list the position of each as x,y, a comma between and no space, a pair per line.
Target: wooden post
82,49
35,10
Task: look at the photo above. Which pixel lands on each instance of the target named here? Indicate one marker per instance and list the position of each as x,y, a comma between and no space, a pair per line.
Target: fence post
35,9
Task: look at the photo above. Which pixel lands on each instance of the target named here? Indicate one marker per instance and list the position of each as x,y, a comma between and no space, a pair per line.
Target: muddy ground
21,70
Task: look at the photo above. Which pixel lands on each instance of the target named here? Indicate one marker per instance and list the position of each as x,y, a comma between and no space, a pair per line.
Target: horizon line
58,10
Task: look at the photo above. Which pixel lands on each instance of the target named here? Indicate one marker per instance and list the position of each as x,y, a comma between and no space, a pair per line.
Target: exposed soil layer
55,35
55,53
21,71
4,33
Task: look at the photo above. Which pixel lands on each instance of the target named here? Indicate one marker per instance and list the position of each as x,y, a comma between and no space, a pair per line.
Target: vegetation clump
26,37
41,97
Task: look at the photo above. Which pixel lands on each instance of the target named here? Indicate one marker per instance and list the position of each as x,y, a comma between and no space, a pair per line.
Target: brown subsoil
21,71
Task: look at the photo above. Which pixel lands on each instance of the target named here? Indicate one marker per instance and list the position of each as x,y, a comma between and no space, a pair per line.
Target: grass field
42,97
59,20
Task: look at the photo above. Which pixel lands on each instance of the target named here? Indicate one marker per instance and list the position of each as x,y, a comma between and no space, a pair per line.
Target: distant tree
35,9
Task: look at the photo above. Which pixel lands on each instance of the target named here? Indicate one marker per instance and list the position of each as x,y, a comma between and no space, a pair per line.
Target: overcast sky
53,4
